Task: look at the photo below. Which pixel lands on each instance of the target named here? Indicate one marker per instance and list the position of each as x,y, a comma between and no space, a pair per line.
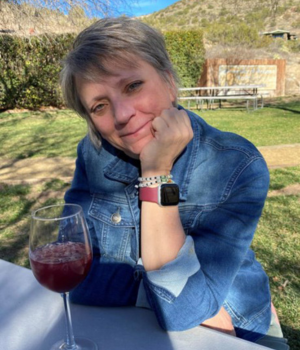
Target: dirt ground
37,170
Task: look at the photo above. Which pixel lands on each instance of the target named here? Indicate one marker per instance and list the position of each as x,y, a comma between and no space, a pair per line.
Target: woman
172,204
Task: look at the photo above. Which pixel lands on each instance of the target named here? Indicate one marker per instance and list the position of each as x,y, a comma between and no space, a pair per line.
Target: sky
145,7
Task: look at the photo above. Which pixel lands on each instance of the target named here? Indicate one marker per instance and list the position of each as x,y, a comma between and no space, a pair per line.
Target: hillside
265,15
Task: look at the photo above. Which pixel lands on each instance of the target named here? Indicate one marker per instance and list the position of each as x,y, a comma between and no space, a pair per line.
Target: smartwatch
164,195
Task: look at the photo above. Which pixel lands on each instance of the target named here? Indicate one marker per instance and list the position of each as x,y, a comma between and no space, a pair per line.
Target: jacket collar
124,169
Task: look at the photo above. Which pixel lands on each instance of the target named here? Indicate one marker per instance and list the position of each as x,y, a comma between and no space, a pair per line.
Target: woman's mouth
136,132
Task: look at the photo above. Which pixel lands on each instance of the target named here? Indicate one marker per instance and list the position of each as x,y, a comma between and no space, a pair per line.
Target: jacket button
116,218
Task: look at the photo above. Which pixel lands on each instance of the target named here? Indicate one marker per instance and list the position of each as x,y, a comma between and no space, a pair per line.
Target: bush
30,70
187,53
30,66
238,34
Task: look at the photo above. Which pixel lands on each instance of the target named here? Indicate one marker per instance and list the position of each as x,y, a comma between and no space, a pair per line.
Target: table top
229,87
32,318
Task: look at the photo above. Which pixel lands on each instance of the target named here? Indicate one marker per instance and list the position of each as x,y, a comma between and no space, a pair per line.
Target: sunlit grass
271,125
40,134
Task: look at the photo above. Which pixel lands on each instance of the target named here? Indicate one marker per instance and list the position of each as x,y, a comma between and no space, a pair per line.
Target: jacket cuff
174,275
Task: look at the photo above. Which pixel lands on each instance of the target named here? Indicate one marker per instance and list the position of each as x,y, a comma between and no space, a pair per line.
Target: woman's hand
172,131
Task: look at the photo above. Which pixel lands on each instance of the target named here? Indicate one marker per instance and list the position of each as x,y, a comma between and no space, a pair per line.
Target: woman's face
122,106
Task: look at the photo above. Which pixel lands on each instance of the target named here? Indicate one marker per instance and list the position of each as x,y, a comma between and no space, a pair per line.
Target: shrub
186,51
237,34
30,66
30,69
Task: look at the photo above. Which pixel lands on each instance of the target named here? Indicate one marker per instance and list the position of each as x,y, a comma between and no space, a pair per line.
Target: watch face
169,194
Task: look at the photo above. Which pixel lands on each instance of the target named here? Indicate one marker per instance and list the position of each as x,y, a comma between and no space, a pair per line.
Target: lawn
56,133
277,243
272,125
40,134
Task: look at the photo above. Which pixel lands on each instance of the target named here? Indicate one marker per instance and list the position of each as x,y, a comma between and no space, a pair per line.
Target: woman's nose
123,111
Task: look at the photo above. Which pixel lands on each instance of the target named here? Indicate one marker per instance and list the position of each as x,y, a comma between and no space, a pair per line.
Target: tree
30,17
100,7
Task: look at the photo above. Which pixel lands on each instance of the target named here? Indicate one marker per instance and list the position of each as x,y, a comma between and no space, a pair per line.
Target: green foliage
294,46
30,70
238,34
186,51
30,66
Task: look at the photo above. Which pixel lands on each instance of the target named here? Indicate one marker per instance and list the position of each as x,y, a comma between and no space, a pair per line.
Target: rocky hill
265,15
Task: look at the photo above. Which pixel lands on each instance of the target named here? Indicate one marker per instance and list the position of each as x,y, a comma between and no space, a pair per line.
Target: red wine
60,267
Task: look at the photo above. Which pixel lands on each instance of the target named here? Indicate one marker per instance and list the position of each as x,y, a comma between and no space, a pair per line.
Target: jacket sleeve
222,237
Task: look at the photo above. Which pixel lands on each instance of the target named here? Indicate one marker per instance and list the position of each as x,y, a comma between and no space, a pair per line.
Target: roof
278,31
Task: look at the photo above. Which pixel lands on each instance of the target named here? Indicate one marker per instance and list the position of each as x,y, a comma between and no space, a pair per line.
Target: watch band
166,194
149,194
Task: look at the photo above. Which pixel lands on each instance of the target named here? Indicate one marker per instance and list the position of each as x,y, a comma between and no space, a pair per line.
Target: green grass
16,204
56,133
271,125
276,243
40,134
277,247
280,178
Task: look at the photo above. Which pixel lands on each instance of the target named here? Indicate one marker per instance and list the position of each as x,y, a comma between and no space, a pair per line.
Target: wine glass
60,256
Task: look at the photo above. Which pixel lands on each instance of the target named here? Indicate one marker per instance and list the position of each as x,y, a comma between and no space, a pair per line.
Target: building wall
267,72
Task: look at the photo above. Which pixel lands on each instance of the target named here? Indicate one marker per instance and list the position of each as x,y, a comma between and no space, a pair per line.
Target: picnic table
210,94
32,318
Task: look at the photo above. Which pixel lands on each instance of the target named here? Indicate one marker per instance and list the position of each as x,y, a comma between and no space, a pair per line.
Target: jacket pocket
114,229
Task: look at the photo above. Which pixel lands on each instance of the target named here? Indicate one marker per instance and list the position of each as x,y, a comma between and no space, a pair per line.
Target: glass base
81,344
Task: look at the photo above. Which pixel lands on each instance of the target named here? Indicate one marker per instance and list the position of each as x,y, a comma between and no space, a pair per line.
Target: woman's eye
99,108
134,86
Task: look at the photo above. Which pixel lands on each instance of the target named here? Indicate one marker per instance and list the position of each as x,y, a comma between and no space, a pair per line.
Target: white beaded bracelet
149,181
160,178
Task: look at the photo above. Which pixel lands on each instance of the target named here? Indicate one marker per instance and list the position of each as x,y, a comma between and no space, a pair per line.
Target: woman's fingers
174,123
172,132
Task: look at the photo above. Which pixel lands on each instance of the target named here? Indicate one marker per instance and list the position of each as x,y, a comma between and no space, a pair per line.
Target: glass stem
70,342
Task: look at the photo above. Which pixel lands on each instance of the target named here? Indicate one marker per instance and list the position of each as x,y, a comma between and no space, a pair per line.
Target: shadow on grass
16,205
280,178
292,107
29,134
292,335
288,109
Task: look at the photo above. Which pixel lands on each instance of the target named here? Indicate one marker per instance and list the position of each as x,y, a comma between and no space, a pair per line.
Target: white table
226,89
219,93
32,318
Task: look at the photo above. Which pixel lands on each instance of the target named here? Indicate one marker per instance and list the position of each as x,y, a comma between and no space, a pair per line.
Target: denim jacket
223,182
